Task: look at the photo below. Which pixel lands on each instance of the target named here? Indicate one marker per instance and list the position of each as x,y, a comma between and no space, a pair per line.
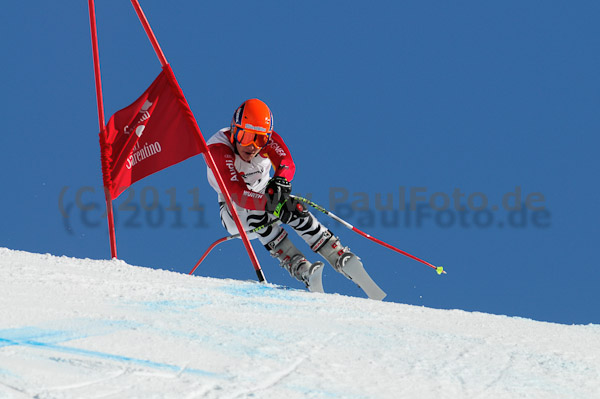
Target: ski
355,271
315,280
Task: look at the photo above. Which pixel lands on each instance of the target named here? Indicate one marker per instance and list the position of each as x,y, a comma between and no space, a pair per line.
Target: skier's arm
279,188
240,194
280,157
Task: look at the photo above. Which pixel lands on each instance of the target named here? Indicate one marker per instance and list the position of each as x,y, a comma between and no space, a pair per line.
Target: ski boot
296,264
347,263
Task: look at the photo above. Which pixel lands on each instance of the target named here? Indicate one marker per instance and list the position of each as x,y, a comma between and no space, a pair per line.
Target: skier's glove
279,202
287,210
278,189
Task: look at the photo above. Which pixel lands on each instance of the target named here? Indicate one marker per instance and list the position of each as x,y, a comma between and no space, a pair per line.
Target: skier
244,153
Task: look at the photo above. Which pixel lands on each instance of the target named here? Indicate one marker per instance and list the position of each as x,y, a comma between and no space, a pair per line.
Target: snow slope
80,328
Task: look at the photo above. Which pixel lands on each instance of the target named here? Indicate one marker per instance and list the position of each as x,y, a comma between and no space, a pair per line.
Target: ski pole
438,269
231,237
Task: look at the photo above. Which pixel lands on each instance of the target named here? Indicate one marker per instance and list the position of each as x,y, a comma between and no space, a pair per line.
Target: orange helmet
252,123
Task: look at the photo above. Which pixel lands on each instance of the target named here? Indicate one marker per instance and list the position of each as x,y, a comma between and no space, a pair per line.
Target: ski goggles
247,137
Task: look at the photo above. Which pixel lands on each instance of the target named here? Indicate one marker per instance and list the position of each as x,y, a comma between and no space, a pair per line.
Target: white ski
356,272
315,280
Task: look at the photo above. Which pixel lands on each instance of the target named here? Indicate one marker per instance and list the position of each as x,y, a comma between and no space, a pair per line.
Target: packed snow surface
80,328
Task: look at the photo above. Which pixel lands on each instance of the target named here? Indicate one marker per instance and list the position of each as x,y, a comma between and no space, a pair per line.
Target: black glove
278,190
279,202
288,210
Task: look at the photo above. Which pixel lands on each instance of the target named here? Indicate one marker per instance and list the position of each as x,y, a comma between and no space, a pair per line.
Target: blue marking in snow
108,356
265,290
47,339
173,306
38,334
8,373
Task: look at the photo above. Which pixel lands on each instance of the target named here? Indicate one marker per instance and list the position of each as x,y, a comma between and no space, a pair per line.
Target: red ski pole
213,245
438,269
231,237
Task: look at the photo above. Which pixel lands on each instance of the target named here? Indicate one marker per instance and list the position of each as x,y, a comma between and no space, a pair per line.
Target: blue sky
470,101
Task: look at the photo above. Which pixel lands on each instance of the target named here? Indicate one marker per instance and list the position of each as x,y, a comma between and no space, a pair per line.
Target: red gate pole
109,207
206,153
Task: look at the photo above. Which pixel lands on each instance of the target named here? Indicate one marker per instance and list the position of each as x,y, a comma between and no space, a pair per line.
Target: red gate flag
151,134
